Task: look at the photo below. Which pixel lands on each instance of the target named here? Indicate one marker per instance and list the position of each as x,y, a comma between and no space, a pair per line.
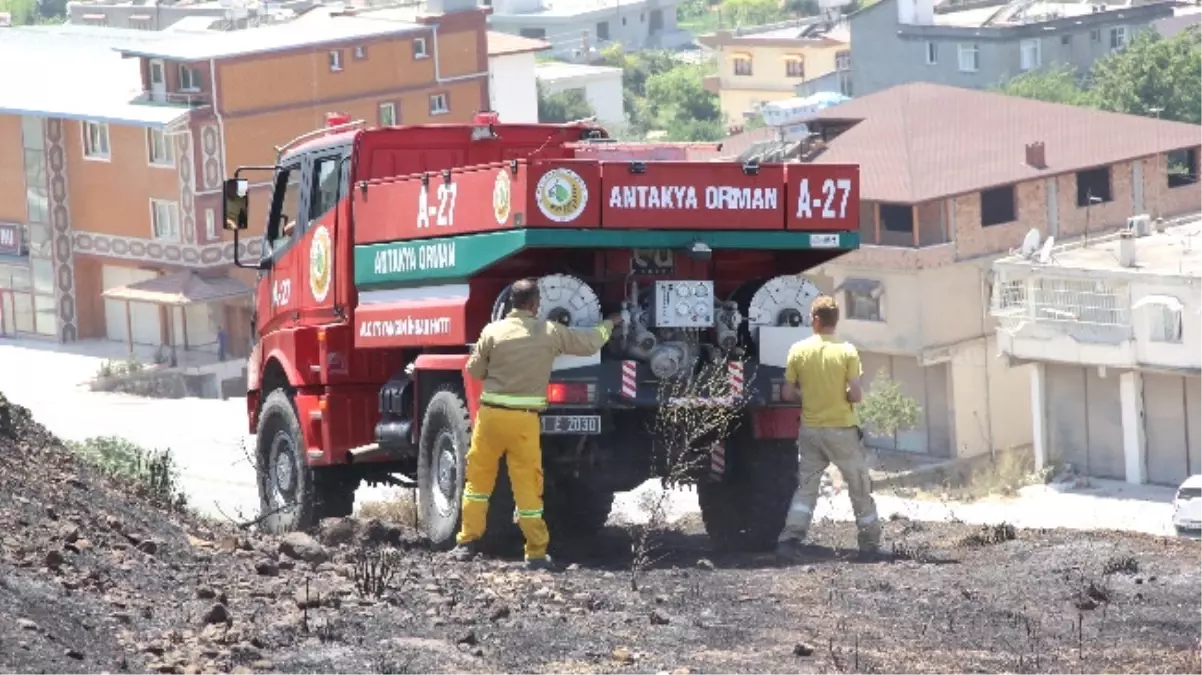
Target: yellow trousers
513,434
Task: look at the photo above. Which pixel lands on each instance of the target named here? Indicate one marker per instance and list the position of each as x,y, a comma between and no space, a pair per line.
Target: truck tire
442,459
293,495
746,510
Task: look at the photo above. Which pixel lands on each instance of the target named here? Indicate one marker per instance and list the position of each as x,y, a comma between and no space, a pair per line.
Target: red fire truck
387,250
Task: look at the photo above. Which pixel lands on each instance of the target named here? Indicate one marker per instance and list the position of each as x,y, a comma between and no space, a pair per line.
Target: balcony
184,99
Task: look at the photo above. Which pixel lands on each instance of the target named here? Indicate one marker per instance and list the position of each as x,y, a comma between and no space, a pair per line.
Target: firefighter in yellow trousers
513,358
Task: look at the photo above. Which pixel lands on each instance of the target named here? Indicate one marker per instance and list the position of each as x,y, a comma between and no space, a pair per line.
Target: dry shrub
399,508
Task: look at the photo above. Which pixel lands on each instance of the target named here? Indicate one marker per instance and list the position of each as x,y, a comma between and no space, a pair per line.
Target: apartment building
162,14
951,180
980,43
578,29
763,64
113,151
512,86
1108,329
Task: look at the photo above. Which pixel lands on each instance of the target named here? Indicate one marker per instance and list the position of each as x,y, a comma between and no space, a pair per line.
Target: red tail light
570,392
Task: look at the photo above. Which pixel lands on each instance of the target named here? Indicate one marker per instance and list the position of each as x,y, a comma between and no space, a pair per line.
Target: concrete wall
512,88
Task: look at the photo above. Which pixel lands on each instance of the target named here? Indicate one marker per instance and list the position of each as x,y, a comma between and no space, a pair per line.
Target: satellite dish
1045,253
1030,243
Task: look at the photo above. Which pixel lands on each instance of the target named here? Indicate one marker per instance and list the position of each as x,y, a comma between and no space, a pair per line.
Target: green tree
677,102
1059,84
1153,73
563,106
751,12
885,409
23,12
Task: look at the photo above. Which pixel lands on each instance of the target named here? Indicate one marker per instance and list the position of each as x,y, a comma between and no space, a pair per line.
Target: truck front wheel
292,495
442,461
746,510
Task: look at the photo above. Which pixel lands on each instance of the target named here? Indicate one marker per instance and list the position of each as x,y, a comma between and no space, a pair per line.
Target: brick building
951,180
113,150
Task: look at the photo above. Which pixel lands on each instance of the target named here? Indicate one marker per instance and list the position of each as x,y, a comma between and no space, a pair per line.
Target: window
95,140
1182,167
189,78
419,48
795,66
164,220
997,206
439,104
210,224
843,60
387,114
1066,40
742,66
862,298
845,83
159,148
43,276
1118,37
897,218
970,58
1095,35
1093,186
1166,324
360,53
326,187
932,53
603,30
335,58
1030,56
280,232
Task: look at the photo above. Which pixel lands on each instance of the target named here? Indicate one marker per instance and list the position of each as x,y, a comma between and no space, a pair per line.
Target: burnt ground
94,578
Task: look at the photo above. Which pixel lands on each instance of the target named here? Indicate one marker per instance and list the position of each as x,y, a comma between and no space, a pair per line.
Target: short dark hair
826,310
524,294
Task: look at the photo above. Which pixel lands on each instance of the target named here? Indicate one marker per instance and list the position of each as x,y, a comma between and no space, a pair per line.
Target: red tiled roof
918,142
180,288
500,44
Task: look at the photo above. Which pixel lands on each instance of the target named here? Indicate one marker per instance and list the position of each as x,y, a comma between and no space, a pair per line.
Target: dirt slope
93,579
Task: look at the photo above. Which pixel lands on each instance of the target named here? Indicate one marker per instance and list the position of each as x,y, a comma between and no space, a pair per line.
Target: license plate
571,424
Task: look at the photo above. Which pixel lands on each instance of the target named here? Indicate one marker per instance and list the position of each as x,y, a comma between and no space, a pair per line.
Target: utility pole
1159,176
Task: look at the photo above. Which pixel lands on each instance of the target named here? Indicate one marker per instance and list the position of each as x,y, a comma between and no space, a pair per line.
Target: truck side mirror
236,205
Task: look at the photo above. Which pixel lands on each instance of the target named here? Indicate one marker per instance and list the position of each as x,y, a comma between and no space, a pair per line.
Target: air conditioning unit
1141,225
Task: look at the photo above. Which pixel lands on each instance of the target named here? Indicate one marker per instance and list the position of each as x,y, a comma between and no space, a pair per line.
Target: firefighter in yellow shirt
825,372
513,358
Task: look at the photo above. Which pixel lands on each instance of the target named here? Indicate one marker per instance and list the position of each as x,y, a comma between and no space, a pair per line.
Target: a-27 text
443,213
281,293
832,204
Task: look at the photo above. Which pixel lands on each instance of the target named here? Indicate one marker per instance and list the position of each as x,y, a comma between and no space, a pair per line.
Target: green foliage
1060,84
751,12
152,472
885,409
563,106
33,12
1151,73
661,93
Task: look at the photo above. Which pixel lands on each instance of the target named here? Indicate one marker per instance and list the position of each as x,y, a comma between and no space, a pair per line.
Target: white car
1187,506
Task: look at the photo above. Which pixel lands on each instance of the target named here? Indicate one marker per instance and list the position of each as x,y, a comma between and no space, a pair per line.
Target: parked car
1187,506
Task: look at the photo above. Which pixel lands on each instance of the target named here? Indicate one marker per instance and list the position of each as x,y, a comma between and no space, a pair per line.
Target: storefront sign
10,239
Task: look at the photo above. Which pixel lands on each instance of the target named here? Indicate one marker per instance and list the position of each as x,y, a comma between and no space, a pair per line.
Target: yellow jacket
513,357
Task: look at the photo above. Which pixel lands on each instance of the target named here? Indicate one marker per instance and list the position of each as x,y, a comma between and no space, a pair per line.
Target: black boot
541,564
463,552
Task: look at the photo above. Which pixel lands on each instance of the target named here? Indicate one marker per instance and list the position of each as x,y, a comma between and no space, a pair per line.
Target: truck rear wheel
292,495
746,510
442,460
